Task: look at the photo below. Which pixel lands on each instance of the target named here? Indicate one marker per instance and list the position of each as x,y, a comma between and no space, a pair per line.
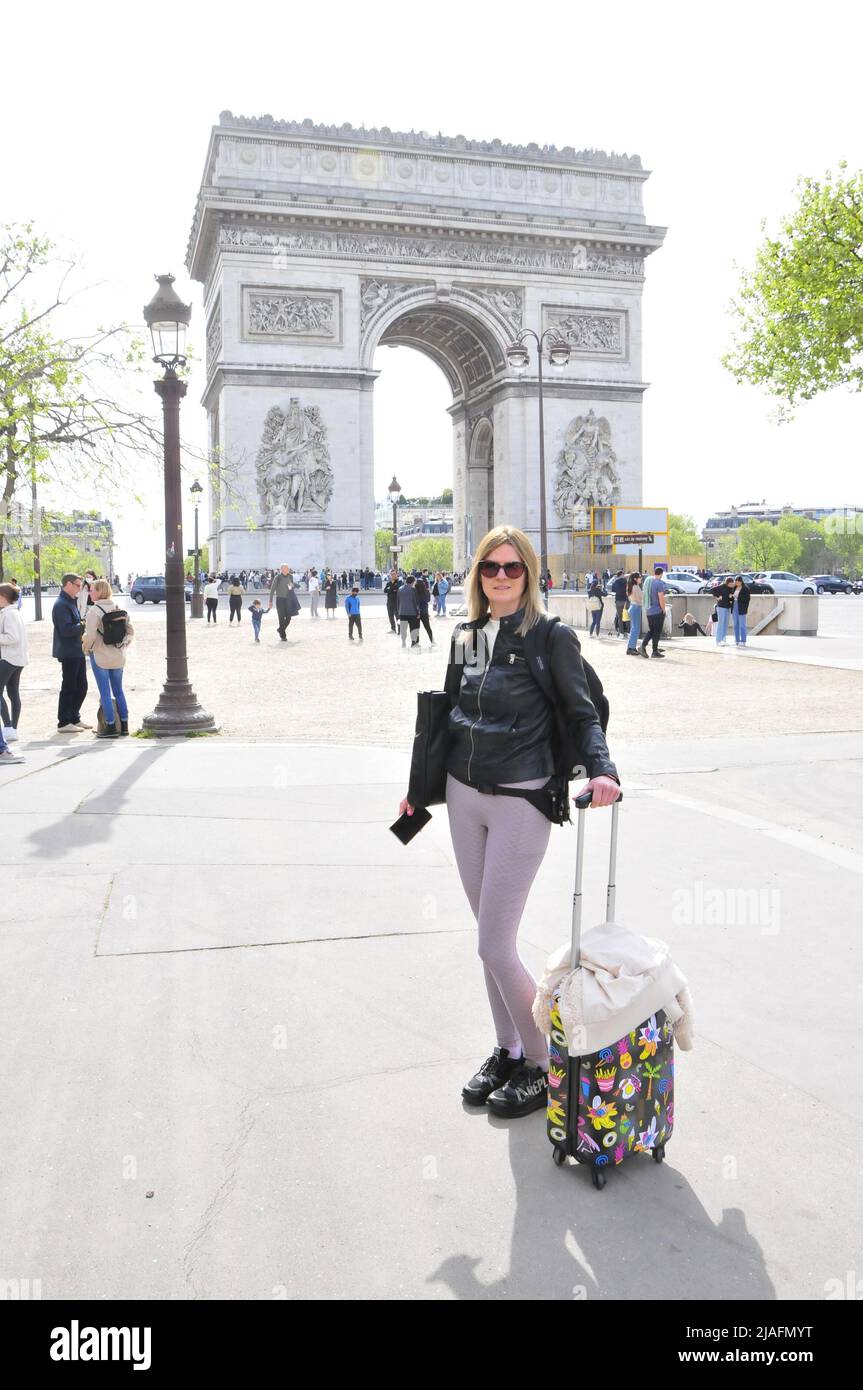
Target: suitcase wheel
598,1178
559,1156
659,1153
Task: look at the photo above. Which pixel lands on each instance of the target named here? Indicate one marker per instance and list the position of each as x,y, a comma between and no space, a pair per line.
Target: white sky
106,111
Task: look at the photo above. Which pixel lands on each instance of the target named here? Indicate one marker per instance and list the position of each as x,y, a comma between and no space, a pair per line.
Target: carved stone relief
587,474
509,304
374,294
589,332
275,314
430,250
214,333
294,474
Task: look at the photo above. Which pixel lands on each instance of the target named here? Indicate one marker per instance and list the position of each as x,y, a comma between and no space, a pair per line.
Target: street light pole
197,604
519,358
177,710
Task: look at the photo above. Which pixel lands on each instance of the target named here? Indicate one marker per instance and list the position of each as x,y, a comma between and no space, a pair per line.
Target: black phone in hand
407,826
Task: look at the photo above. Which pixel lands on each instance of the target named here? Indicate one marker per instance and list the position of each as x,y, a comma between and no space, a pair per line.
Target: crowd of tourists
640,604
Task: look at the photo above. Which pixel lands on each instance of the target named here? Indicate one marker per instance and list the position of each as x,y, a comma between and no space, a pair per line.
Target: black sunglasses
513,569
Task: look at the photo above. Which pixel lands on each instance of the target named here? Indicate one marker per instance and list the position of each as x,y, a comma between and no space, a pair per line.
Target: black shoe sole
526,1108
473,1097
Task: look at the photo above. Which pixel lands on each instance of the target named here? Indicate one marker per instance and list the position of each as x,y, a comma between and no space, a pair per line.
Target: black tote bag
427,786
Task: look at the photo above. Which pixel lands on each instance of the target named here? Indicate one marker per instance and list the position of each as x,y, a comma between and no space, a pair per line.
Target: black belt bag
552,799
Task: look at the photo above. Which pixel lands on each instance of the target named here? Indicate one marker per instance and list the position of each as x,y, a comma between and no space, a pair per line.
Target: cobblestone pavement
320,688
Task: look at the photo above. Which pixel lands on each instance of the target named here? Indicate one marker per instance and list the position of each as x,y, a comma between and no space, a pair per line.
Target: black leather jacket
501,727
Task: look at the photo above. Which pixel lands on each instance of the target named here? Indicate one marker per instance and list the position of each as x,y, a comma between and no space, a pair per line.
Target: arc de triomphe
317,244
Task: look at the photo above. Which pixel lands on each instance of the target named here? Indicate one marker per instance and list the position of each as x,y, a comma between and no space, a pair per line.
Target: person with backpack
107,636
522,718
595,602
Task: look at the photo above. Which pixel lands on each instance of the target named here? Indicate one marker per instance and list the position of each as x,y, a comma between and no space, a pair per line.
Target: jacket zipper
479,705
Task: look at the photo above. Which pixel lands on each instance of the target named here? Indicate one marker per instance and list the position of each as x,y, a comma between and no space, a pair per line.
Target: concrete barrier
769,614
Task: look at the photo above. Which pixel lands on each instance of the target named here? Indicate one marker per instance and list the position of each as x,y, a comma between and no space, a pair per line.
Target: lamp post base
197,606
178,713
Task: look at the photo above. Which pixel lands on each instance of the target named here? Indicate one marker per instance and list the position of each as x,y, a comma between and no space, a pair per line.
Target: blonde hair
101,588
477,603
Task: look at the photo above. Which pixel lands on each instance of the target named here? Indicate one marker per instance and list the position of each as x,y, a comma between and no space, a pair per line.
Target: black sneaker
494,1072
526,1090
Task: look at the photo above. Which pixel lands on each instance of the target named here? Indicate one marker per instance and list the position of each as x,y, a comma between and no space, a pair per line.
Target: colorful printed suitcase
618,1101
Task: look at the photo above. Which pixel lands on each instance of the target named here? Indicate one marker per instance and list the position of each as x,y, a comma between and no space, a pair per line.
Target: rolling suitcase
619,1100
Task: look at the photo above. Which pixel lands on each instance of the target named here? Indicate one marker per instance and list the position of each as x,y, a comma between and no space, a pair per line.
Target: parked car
783,582
149,588
830,584
683,582
754,583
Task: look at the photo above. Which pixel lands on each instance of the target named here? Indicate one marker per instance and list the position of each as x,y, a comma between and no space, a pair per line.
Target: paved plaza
238,1014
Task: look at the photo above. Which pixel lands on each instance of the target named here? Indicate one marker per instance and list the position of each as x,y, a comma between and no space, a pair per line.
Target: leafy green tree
429,554
383,554
446,497
814,552
57,556
763,546
844,533
683,537
799,312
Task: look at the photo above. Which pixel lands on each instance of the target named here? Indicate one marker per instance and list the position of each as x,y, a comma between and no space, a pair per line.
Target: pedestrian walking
740,609
235,599
13,658
442,591
655,590
211,596
634,598
391,589
256,613
618,589
314,593
331,595
435,592
595,602
352,608
287,603
67,649
108,635
409,613
500,736
423,593
724,604
85,596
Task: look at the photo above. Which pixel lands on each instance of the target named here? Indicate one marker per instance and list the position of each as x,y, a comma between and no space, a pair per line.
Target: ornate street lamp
519,359
177,710
395,493
197,604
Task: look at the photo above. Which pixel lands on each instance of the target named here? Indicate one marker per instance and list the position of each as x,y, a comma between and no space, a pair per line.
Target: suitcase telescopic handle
581,804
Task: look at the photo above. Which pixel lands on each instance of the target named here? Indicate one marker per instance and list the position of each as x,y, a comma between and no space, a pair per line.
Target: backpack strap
537,650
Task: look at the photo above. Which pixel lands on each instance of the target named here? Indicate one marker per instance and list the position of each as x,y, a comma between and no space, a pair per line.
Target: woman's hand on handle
604,790
405,806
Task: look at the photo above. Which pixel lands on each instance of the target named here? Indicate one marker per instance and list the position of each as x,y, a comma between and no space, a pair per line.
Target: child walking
257,614
352,606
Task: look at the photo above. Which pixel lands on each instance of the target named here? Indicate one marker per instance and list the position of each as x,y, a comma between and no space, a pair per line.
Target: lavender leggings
499,843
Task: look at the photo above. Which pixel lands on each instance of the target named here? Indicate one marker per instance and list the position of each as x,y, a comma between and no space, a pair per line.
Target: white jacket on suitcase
623,978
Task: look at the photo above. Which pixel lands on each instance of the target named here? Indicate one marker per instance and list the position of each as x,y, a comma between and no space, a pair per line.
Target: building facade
317,244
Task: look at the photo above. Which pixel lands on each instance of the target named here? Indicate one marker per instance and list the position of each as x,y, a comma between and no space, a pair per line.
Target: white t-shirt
211,590
314,584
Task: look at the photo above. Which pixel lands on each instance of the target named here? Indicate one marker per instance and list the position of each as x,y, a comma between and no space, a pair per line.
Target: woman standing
13,658
107,657
742,594
211,594
331,595
635,599
594,603
500,734
724,601
235,599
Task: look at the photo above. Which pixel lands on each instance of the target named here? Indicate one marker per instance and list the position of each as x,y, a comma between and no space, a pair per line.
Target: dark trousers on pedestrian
412,625
393,612
284,617
424,619
236,607
73,690
9,679
355,621
619,605
654,628
212,605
